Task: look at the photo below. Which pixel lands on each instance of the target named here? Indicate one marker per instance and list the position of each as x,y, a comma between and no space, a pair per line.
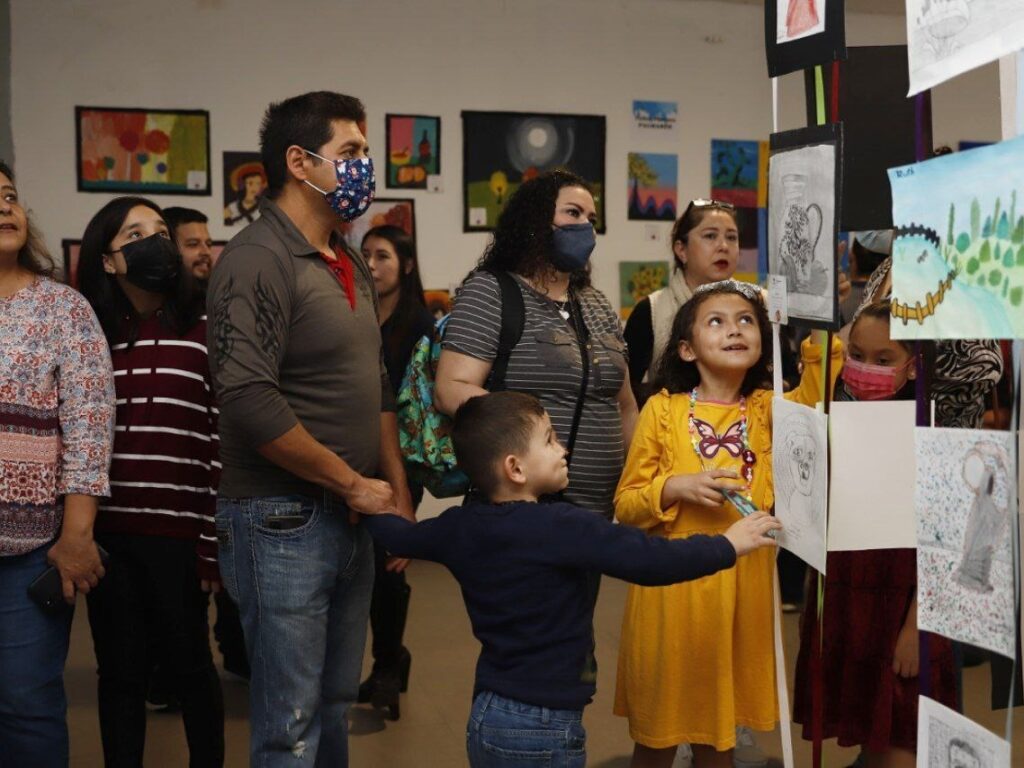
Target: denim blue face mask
573,245
355,188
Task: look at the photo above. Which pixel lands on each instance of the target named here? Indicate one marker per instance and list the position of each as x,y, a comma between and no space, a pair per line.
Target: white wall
232,57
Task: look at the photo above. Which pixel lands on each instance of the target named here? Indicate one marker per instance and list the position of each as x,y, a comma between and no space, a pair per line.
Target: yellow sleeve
638,497
808,392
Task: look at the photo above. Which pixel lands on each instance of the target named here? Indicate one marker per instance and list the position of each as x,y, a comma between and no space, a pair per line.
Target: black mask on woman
153,264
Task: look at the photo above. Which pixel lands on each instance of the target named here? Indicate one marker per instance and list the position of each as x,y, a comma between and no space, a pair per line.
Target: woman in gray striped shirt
544,238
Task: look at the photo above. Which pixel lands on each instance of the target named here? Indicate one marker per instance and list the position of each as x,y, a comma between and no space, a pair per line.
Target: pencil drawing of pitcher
800,17
801,230
986,521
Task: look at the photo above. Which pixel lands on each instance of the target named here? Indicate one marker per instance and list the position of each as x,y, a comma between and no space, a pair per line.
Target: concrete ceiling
889,7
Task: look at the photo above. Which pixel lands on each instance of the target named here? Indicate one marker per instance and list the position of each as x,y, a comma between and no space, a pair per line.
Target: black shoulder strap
583,339
513,319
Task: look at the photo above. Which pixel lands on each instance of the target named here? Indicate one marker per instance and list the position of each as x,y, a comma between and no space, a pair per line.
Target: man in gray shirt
306,423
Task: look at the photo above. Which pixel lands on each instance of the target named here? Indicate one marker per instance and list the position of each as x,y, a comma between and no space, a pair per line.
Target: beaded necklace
747,453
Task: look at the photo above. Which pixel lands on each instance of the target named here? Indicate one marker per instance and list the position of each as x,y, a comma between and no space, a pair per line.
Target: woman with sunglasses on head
157,524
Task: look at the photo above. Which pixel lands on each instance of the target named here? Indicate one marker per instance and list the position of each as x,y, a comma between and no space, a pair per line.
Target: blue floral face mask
355,189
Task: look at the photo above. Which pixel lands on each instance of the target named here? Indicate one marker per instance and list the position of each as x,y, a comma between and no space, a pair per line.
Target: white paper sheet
871,495
946,38
800,473
947,739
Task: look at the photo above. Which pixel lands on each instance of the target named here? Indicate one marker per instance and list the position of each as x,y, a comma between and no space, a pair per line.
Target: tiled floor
431,731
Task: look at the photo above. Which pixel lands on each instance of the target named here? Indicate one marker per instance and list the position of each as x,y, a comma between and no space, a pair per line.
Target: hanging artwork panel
805,179
739,175
966,501
638,280
803,33
958,254
245,181
398,212
501,150
413,150
652,192
144,151
800,474
949,37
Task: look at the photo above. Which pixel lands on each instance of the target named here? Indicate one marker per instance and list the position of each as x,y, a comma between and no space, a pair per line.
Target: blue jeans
504,733
304,597
33,649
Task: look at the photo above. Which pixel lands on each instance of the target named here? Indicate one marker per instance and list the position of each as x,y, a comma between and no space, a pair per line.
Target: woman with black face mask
157,524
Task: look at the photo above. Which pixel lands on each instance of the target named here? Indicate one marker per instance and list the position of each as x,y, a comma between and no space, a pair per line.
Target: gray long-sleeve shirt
286,348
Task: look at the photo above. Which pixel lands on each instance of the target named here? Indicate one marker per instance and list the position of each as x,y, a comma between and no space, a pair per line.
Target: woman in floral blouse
56,429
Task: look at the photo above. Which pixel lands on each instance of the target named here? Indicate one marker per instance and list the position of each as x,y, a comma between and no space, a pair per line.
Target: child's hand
905,658
702,488
751,533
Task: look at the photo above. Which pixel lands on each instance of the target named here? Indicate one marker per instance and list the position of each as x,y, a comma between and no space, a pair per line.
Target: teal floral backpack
424,433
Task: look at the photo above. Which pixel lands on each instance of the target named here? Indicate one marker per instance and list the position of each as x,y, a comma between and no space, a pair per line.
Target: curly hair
677,375
33,255
523,241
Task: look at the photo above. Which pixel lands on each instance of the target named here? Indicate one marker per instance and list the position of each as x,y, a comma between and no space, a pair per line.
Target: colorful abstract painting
501,150
244,183
653,193
413,150
958,255
399,212
739,175
146,151
439,301
639,279
965,500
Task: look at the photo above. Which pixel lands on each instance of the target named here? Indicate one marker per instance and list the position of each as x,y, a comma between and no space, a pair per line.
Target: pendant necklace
746,452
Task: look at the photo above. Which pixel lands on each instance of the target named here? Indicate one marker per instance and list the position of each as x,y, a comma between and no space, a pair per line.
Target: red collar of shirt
343,271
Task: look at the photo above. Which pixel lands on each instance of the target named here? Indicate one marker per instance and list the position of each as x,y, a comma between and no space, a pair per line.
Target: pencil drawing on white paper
949,37
965,497
800,472
947,739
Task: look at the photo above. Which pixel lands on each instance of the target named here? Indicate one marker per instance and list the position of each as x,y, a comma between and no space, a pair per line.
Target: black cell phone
284,522
48,591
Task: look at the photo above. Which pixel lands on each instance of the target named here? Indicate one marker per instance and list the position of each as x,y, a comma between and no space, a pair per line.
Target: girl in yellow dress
697,659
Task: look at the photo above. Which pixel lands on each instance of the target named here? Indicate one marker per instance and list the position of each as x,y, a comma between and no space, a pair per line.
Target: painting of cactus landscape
501,150
803,206
652,191
958,255
949,37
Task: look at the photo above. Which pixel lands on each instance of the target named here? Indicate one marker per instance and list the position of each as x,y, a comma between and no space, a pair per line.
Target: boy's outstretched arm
404,538
590,541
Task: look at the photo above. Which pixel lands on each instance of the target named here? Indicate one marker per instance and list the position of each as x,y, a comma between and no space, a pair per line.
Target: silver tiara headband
748,290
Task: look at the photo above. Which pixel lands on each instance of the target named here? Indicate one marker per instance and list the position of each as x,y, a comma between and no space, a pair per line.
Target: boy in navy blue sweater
523,566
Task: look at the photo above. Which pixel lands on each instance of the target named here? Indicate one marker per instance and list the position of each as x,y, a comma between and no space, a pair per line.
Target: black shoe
382,687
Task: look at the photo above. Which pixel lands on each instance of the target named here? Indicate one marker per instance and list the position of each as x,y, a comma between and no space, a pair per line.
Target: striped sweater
165,469
56,411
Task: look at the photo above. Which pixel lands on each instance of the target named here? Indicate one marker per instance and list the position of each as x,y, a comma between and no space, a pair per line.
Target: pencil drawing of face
803,452
985,473
962,755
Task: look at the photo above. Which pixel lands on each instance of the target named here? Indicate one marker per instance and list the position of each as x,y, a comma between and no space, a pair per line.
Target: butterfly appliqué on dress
711,442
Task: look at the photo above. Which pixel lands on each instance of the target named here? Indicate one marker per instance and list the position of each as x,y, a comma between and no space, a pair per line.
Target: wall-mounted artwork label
245,180
144,151
397,212
501,150
653,180
958,254
637,280
796,19
949,37
965,500
413,150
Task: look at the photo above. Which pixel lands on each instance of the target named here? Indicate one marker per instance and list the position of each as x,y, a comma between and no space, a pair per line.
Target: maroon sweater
165,468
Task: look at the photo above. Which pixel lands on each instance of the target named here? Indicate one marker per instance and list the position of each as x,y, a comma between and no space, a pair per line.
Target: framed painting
653,180
244,182
804,194
803,33
501,150
399,212
413,150
143,151
638,280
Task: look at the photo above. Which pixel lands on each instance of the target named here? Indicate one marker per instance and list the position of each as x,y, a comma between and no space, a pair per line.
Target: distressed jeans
303,594
505,733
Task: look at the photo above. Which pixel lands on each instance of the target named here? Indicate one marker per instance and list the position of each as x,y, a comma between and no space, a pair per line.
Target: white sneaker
747,754
684,757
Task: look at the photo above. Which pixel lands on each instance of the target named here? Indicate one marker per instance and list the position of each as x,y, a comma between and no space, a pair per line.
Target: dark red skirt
867,595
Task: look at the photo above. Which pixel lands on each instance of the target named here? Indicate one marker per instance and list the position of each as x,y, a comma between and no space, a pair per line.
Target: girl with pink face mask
870,640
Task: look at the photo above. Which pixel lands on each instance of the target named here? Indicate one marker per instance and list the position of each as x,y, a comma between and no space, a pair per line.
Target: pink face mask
871,382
